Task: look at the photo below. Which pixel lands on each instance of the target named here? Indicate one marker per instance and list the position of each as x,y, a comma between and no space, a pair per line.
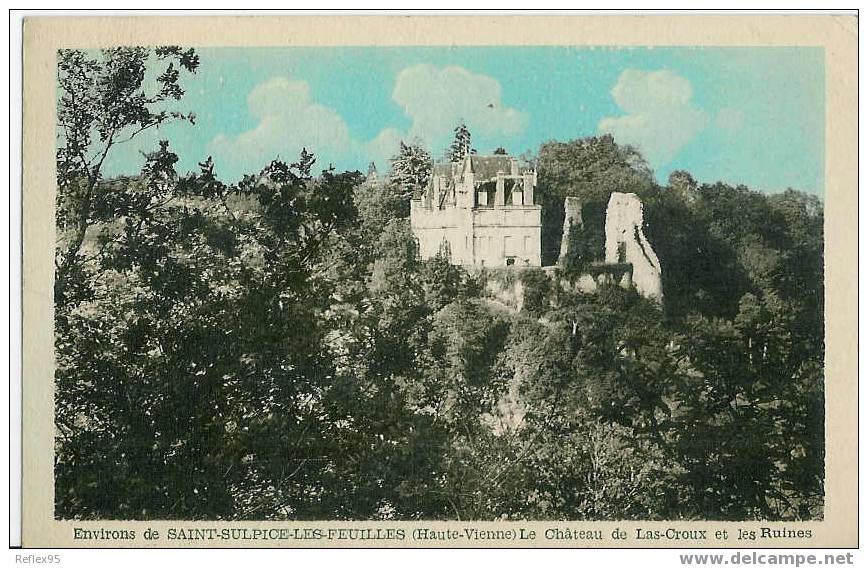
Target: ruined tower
626,244
572,219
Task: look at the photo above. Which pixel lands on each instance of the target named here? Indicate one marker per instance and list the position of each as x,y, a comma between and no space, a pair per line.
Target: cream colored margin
837,34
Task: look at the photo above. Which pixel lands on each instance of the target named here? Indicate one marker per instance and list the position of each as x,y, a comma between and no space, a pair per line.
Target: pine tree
461,144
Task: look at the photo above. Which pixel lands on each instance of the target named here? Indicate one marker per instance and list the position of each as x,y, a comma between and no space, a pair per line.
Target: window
485,193
508,187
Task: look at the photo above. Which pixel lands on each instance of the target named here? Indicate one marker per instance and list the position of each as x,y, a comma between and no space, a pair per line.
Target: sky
752,116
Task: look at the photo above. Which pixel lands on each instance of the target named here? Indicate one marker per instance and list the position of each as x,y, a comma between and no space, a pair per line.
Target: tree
591,169
537,288
694,257
441,280
566,461
461,144
377,203
411,168
105,100
683,185
193,377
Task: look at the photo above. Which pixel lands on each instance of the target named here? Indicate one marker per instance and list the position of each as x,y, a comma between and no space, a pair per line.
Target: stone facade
481,208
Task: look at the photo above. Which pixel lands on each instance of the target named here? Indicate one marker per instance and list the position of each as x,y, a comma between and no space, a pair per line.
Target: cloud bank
434,99
288,120
438,99
660,117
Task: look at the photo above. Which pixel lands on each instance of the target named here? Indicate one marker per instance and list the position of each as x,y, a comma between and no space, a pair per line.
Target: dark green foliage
201,345
587,243
591,169
105,100
537,287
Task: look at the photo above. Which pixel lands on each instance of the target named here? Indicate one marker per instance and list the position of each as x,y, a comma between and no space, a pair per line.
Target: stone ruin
626,244
572,217
630,261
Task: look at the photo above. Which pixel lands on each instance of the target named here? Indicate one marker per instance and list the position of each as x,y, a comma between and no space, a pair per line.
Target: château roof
486,167
444,169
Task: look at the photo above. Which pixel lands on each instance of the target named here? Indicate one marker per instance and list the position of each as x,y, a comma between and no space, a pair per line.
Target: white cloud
660,119
434,99
437,99
383,146
289,120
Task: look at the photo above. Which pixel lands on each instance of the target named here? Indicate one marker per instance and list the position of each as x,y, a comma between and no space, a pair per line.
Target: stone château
483,210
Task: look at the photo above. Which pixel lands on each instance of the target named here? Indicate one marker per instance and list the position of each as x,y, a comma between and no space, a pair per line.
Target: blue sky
739,115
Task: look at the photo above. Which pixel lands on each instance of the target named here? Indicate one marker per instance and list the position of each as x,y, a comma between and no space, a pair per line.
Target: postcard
440,281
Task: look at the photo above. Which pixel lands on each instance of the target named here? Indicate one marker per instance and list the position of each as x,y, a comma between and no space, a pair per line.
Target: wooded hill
272,348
